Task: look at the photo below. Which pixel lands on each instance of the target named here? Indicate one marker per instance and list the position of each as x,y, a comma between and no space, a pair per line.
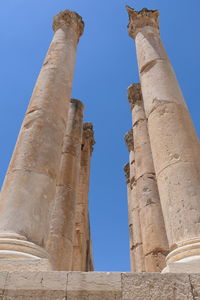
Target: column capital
140,19
68,18
127,172
88,133
129,140
134,94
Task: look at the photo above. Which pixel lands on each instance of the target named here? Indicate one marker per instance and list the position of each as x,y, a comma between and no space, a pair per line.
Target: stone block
155,286
94,286
34,297
150,49
159,86
195,286
179,194
36,285
171,140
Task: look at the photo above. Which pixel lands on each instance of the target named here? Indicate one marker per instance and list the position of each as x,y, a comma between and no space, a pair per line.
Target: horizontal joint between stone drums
174,163
147,67
48,174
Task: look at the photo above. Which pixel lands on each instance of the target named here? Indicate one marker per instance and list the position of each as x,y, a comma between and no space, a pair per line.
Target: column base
188,251
31,265
182,267
17,254
185,258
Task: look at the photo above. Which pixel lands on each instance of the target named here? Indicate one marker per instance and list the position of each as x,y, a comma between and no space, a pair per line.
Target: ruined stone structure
166,156
40,197
82,248
44,218
145,203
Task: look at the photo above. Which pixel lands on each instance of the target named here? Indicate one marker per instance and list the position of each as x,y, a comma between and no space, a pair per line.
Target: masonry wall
98,286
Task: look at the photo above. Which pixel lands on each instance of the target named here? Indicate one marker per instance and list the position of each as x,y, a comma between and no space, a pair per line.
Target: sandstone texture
60,238
29,187
147,217
173,140
82,249
98,286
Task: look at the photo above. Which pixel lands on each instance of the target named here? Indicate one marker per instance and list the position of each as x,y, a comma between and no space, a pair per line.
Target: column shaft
82,230
174,143
136,243
129,196
60,238
154,238
29,187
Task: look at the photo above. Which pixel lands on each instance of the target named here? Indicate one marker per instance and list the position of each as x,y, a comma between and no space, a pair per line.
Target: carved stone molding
88,133
142,18
69,18
127,172
134,94
129,140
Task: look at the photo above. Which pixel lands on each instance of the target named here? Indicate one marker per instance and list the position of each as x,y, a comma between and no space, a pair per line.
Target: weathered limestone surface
182,267
60,239
30,264
156,287
130,194
98,286
135,233
174,143
94,285
82,256
29,187
154,238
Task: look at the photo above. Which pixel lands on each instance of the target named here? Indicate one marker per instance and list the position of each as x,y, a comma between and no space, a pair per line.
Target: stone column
130,223
154,238
60,239
82,230
89,252
136,243
173,139
29,187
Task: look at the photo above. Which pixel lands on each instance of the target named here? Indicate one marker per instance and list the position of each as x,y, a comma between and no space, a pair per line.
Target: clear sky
106,65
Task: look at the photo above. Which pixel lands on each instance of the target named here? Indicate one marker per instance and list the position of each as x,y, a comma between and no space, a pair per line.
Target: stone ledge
98,286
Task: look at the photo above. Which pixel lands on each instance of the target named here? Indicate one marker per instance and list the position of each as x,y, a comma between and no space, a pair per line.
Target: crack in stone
138,121
149,202
162,102
41,281
192,288
66,286
171,164
158,251
150,176
136,245
121,277
4,289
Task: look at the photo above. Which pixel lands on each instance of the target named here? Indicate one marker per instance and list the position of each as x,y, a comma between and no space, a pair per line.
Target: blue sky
106,65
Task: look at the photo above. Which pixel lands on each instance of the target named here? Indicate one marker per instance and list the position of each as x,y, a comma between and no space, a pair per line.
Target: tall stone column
29,187
61,234
136,243
173,139
130,223
154,238
82,230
